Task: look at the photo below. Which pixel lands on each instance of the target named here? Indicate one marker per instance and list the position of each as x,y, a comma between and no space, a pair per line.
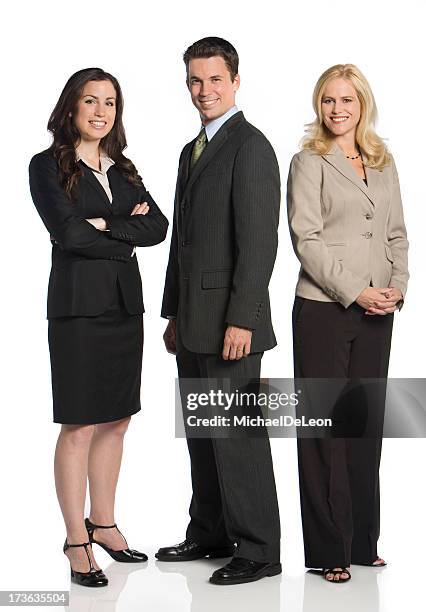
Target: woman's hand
379,301
99,223
390,304
395,294
140,209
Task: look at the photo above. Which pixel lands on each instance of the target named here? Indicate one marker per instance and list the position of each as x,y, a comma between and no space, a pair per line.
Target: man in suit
216,298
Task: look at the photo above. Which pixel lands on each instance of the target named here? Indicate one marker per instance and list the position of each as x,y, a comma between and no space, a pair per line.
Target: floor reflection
206,597
359,593
190,591
103,599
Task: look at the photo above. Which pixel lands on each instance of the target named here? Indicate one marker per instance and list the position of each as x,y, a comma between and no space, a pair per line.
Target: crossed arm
87,237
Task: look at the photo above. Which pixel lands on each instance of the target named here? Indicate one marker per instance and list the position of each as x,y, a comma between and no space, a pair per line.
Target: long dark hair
66,136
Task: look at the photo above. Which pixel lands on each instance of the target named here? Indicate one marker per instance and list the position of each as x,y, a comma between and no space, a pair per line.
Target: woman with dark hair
96,209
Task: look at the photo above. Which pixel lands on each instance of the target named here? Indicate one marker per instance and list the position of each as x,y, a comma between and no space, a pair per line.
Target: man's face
211,87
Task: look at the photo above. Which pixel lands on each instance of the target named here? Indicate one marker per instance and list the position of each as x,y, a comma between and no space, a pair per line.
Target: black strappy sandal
372,564
92,578
125,555
337,572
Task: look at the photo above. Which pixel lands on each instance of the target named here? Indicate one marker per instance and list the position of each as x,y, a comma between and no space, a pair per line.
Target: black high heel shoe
92,578
125,555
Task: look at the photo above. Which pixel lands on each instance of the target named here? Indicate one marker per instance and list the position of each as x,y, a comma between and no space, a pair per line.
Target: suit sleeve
170,303
256,203
169,306
397,238
140,230
72,232
306,227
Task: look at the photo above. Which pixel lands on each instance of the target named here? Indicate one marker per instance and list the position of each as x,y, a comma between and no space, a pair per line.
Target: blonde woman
348,232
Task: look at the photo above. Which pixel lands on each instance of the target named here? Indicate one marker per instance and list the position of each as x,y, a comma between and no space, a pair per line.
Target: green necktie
199,146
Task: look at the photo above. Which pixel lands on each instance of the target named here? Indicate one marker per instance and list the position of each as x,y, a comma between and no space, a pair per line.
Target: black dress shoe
190,551
241,570
92,578
126,555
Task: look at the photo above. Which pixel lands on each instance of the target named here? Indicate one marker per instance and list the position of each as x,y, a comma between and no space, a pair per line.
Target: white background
283,49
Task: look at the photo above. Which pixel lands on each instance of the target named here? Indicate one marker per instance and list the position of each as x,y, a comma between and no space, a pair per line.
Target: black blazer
224,239
88,263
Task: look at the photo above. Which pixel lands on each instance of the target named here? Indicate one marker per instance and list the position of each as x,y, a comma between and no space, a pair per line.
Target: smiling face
211,87
95,111
341,108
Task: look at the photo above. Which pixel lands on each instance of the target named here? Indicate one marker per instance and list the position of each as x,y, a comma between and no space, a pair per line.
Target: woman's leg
322,338
105,455
71,465
369,359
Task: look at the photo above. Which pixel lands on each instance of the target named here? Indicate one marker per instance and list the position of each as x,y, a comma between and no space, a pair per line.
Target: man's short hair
212,46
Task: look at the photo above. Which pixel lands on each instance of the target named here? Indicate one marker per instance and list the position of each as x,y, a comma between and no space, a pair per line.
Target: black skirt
96,365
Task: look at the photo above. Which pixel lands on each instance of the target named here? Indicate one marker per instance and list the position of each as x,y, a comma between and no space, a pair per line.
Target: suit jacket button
368,216
368,235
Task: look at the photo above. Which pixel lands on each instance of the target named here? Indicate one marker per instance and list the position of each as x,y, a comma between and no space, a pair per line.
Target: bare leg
105,455
71,462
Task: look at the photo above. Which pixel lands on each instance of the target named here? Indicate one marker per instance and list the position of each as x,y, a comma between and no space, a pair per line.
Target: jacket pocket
388,252
216,279
337,249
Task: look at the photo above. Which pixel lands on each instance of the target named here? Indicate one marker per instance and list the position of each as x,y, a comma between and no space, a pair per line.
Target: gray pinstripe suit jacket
224,239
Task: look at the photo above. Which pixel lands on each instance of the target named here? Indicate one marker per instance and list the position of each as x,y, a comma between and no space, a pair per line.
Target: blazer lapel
95,184
116,182
374,182
211,149
209,152
182,181
184,169
336,158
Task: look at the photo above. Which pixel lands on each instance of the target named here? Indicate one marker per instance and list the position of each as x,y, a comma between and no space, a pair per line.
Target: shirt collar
214,126
106,162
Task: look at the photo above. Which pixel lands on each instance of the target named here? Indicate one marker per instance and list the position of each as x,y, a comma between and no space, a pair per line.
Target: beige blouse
101,175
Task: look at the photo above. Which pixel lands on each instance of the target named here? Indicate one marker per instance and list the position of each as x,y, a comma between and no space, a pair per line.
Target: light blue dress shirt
215,125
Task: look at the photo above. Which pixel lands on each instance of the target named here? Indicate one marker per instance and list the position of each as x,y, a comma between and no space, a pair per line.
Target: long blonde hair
318,137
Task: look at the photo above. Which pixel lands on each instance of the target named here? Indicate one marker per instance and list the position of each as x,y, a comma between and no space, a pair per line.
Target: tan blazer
346,234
